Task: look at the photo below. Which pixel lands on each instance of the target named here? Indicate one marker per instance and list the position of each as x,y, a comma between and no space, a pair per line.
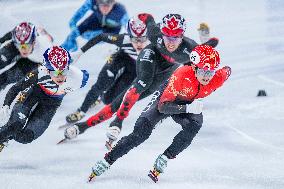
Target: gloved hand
76,55
195,107
71,132
229,70
161,163
204,32
144,17
113,132
5,113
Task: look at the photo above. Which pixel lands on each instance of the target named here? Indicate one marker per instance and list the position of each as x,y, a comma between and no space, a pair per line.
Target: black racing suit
154,65
38,98
118,72
9,54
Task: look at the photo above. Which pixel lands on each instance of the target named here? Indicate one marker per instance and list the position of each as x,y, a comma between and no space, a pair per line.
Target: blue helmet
56,58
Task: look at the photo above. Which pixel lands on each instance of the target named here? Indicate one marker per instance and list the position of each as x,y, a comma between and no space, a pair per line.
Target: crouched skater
178,98
38,96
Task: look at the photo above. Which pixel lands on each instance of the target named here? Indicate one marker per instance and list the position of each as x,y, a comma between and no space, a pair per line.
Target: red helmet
136,27
56,58
173,25
205,57
24,33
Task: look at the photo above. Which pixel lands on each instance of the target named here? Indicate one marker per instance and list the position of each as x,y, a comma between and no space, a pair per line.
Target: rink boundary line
252,139
269,80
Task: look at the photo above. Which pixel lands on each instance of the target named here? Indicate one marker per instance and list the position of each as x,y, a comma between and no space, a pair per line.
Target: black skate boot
75,117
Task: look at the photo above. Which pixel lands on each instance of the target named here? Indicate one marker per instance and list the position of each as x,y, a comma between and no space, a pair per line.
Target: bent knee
143,128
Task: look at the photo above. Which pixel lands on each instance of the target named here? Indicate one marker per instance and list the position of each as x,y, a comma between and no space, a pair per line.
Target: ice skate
75,117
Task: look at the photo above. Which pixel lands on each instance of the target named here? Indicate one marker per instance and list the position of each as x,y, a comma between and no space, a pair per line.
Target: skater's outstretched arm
116,39
28,81
80,13
6,37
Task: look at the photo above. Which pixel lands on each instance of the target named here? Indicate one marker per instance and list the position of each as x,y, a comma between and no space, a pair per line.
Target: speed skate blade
62,141
108,145
153,175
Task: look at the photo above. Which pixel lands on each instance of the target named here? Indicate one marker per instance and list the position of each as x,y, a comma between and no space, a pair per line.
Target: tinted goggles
55,73
205,73
139,39
172,39
24,46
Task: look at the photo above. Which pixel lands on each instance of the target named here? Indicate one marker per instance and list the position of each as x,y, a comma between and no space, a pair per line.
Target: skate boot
113,132
3,145
75,117
99,168
204,32
159,166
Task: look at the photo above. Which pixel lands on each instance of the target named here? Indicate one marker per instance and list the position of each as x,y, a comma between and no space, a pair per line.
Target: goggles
171,39
142,39
24,46
56,73
205,73
105,4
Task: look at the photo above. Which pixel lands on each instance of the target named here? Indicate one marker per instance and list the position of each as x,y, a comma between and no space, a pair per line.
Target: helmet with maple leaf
173,25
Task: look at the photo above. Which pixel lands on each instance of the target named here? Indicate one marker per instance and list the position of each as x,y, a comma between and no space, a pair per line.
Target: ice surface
241,144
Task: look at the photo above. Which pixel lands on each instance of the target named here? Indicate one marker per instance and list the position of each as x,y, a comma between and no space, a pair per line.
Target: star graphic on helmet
212,56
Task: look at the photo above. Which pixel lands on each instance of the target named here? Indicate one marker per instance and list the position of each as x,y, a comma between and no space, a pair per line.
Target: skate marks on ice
253,139
272,81
17,167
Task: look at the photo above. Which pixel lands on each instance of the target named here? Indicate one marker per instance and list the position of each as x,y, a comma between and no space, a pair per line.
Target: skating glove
5,113
113,132
76,55
204,32
195,107
71,132
161,163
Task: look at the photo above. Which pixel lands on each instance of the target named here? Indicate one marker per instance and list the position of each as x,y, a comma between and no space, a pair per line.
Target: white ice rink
241,144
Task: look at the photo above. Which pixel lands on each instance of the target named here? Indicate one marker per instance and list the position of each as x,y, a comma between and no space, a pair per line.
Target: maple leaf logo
172,23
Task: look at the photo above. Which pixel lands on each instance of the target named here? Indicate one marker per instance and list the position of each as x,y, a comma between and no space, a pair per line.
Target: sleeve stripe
85,78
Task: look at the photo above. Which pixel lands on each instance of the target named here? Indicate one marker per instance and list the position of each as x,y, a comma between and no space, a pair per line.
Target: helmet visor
170,39
24,46
205,73
142,39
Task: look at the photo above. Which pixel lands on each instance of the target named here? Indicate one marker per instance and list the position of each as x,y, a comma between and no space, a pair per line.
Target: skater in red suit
179,98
